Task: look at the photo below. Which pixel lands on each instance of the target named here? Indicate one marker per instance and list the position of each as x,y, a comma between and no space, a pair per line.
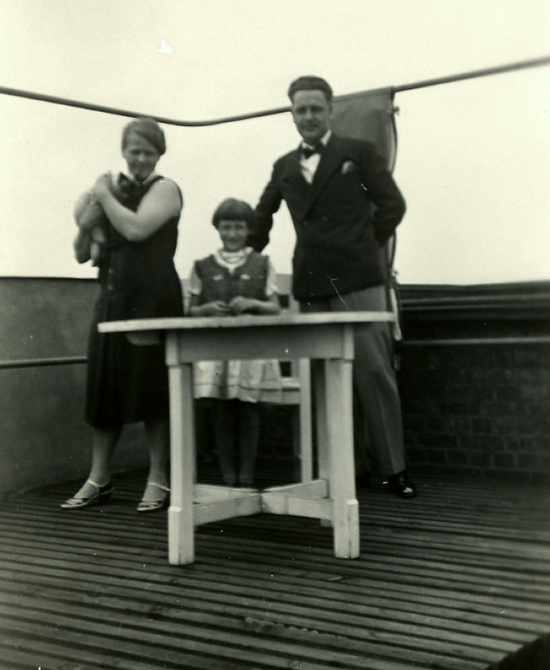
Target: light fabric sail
369,116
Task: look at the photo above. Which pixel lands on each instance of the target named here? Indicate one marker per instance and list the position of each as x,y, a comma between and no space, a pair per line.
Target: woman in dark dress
128,226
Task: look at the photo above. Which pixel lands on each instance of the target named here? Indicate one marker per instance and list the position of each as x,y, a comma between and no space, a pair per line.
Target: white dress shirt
309,165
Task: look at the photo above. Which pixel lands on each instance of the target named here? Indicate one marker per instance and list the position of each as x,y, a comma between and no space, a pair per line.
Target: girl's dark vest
218,283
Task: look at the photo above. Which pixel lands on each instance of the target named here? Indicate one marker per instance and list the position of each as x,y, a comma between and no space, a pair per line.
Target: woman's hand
160,204
88,212
102,186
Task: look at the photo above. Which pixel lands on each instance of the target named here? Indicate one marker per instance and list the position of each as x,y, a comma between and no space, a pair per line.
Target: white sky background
473,159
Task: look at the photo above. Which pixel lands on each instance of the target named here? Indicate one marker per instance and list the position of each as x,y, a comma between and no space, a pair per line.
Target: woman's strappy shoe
161,502
99,494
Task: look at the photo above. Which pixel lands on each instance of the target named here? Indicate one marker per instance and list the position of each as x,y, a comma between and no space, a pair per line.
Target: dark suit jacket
341,220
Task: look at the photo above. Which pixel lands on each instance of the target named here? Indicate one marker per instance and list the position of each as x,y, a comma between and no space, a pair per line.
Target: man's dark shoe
400,484
363,481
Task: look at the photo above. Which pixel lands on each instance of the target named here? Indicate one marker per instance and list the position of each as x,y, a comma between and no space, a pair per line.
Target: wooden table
327,339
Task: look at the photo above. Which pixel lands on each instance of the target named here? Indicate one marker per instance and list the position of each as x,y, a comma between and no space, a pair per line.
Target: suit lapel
294,169
305,193
331,160
293,175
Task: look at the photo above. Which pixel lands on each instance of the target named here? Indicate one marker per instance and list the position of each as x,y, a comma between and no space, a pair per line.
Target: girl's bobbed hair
232,209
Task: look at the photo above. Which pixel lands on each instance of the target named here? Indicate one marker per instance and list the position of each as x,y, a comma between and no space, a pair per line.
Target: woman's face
233,234
140,155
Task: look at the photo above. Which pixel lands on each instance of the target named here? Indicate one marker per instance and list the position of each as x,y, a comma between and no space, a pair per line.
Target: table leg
304,420
339,424
319,390
181,540
318,380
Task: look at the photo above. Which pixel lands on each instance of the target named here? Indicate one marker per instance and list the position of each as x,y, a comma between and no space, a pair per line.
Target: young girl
235,280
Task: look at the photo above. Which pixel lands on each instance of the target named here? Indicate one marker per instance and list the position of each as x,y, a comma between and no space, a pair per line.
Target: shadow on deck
455,579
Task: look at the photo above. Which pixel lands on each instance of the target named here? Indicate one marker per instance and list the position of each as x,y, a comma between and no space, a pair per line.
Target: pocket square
348,166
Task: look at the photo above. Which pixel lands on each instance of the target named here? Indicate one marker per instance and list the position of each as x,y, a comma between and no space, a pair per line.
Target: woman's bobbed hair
149,130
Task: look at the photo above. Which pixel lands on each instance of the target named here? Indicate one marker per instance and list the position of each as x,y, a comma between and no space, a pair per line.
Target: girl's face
233,234
141,156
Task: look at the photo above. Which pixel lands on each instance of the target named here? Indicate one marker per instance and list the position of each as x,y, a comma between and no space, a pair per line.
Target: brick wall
475,379
478,408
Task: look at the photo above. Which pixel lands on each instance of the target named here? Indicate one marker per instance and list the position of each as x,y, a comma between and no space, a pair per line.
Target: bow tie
308,151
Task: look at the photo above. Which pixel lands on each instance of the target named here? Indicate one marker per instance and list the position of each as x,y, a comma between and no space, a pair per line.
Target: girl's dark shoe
363,481
97,495
400,484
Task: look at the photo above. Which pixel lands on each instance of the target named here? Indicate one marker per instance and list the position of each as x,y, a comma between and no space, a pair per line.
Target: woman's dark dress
138,280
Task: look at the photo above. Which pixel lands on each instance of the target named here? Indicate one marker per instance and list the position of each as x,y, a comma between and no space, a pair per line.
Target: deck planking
453,580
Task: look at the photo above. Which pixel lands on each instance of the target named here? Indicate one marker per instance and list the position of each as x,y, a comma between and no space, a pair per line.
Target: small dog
122,188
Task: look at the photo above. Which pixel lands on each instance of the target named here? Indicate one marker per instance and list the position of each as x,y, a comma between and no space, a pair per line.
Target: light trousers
377,406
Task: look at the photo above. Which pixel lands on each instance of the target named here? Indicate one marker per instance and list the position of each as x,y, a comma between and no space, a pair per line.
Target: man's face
312,113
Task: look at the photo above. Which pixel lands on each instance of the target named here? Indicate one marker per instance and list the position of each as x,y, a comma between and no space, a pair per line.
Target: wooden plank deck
454,579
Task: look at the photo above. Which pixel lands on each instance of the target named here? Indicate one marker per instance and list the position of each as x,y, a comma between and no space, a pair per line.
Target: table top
244,321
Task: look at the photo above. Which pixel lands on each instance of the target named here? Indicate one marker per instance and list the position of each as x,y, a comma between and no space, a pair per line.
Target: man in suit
345,207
